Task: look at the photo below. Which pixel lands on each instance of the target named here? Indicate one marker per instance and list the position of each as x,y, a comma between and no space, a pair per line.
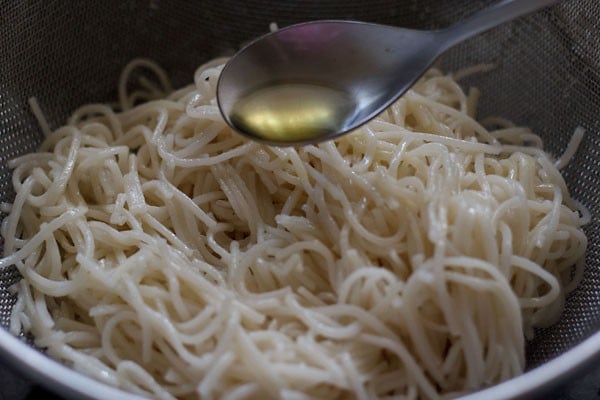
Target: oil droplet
291,112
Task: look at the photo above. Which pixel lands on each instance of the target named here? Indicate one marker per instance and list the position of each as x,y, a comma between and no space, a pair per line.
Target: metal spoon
318,80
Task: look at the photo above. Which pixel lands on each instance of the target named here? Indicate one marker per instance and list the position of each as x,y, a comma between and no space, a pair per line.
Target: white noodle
166,255
39,116
571,149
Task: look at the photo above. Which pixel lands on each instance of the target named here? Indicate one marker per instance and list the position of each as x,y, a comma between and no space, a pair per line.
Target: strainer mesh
547,77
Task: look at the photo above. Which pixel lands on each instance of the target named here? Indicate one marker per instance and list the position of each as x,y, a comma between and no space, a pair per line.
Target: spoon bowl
318,80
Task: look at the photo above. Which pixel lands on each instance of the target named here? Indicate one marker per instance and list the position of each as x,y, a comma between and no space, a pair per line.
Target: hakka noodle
164,254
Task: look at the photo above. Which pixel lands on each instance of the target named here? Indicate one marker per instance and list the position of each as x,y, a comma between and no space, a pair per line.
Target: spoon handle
499,13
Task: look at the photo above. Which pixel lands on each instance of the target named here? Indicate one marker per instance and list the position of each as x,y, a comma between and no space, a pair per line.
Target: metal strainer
547,77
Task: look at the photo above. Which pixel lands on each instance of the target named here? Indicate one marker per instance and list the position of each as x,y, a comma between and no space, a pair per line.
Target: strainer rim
51,374
41,369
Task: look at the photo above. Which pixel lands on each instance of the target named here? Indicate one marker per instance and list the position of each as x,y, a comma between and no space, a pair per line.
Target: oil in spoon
292,112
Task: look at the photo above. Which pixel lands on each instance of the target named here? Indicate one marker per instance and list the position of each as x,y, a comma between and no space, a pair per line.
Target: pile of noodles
164,254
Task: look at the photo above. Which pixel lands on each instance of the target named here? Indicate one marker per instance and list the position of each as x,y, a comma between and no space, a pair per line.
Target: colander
547,77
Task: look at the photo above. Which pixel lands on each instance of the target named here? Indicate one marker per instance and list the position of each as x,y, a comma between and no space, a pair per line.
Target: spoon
315,81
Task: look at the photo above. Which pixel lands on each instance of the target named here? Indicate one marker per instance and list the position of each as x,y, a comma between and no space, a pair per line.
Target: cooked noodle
164,254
